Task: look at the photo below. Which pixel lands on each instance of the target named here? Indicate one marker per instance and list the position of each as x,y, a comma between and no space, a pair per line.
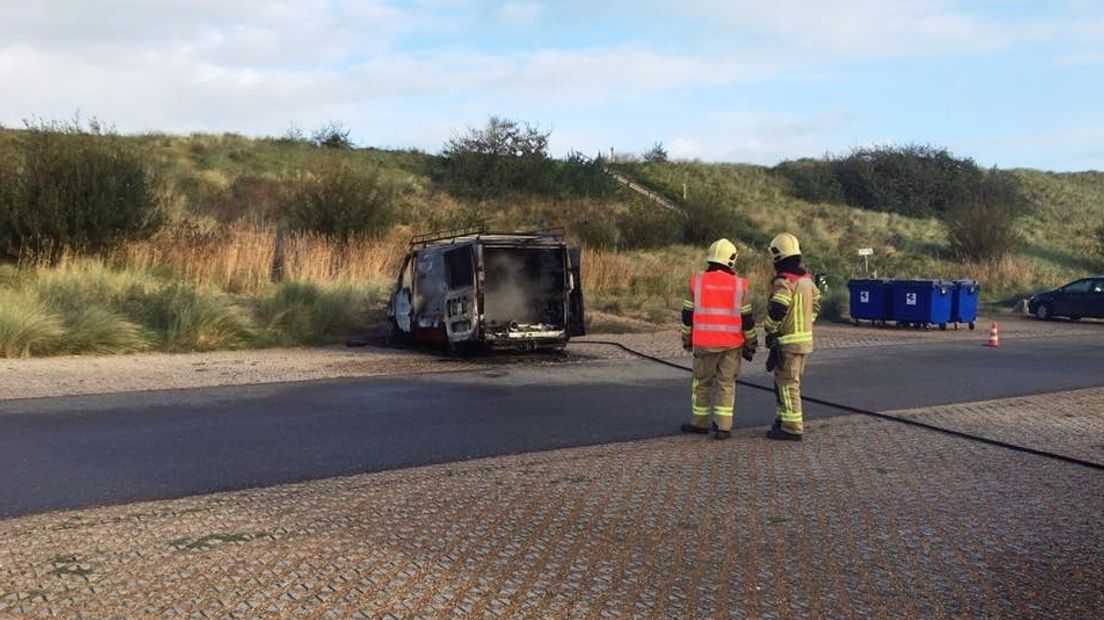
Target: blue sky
1013,83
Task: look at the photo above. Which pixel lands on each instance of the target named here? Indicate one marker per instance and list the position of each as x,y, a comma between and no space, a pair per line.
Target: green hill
225,199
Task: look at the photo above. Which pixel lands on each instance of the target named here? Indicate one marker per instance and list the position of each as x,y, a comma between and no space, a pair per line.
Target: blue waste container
921,303
964,302
870,301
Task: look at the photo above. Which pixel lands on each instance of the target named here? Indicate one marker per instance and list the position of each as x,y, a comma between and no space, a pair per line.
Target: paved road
73,452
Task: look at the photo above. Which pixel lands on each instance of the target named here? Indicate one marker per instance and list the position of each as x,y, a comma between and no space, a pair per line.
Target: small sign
864,297
910,299
866,251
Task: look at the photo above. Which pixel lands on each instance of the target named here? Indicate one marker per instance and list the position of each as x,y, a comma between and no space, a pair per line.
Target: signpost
866,253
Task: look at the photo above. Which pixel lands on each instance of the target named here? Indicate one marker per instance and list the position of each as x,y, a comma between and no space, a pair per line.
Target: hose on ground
874,414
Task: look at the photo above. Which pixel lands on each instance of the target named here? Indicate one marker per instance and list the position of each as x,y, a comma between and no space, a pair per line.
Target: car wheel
1042,312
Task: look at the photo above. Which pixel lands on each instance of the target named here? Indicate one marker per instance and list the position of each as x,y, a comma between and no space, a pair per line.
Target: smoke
524,286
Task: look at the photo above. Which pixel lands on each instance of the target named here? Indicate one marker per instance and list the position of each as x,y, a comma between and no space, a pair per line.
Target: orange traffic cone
994,337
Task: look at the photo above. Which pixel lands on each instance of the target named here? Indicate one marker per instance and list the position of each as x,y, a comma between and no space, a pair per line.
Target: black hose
875,414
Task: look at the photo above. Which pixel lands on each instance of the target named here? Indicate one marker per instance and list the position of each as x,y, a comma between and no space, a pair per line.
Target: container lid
867,281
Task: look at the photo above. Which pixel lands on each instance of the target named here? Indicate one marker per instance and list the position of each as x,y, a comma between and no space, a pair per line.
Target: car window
1098,286
1080,286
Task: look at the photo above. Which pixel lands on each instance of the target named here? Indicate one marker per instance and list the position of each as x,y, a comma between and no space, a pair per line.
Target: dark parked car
1080,298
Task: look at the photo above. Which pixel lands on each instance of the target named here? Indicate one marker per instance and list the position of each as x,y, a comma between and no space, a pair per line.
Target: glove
749,350
772,359
772,341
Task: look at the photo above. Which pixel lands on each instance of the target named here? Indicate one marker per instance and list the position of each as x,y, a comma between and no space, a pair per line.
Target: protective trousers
787,390
713,389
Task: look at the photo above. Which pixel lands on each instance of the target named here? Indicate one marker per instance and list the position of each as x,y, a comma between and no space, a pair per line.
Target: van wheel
1043,312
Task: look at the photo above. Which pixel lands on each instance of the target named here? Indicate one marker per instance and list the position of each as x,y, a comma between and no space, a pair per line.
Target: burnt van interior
523,287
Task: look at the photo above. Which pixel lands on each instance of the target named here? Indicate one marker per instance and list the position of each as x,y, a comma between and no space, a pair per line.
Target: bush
580,176
811,180
304,313
913,180
985,227
75,188
95,329
27,326
657,154
332,135
340,200
1099,241
835,305
191,319
506,155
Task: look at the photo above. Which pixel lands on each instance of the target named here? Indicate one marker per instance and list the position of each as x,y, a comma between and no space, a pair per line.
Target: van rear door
576,319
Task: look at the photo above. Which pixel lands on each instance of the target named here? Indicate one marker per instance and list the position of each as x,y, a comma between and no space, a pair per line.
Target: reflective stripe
745,309
734,329
790,416
771,324
687,303
781,299
685,329
796,338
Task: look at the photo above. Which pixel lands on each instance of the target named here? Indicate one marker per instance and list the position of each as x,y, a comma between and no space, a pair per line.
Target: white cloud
403,71
520,14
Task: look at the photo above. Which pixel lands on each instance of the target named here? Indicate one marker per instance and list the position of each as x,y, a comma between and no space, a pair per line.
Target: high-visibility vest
718,298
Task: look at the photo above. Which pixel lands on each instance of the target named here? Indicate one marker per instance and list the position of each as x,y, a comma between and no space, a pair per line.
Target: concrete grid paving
866,518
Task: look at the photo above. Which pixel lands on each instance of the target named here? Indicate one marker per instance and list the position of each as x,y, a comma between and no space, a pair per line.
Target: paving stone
865,518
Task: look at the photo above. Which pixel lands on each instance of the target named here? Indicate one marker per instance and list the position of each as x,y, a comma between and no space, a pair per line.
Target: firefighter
792,308
717,325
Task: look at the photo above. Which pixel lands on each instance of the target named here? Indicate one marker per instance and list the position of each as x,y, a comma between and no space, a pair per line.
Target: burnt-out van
469,288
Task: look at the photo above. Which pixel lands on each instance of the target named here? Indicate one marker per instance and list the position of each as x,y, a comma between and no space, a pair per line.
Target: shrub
656,154
506,155
984,228
340,200
580,176
1099,241
811,180
332,135
95,329
192,319
305,313
27,326
914,180
76,188
835,305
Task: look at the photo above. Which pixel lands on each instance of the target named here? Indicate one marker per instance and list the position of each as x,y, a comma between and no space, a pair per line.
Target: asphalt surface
73,452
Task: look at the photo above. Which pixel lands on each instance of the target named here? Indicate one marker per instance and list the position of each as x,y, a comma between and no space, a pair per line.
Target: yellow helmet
784,246
722,252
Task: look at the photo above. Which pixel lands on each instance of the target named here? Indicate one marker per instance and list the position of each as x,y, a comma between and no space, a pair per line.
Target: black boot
776,432
719,434
690,428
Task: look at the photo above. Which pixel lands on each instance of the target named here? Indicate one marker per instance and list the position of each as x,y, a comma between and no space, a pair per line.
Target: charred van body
468,287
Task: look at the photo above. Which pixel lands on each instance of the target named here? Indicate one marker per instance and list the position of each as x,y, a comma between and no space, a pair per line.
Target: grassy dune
221,274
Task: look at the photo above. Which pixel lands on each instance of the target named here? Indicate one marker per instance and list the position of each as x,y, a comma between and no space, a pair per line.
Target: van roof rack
423,240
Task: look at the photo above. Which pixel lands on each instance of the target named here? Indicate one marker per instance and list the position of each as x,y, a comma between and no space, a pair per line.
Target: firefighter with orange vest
717,325
792,308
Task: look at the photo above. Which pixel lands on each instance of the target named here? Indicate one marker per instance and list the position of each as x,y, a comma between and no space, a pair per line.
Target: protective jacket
793,307
717,315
